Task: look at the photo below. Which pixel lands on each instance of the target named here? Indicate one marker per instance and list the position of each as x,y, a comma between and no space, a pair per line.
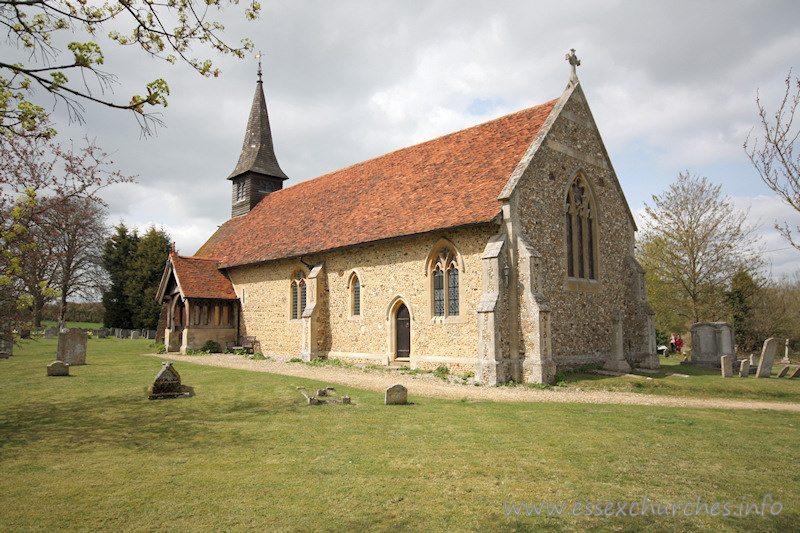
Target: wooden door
402,332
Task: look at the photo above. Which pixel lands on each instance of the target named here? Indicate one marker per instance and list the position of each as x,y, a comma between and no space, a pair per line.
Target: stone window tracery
445,277
580,220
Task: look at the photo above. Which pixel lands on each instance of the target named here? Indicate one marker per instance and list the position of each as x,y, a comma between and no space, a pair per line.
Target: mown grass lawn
90,452
701,383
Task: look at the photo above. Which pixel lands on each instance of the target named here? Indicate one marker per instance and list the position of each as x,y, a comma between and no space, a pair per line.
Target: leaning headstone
784,371
767,358
785,360
50,333
134,335
727,366
58,368
396,395
744,370
167,383
796,373
72,346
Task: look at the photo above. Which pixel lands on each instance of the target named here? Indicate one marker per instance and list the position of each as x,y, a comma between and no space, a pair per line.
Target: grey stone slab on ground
727,366
744,370
767,358
58,368
396,395
72,346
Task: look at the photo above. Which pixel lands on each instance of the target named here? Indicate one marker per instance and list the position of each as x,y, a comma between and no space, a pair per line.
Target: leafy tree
118,256
40,181
692,244
147,267
773,156
164,30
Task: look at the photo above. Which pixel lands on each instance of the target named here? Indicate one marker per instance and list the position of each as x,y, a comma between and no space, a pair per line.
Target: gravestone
24,334
796,373
134,335
784,371
72,346
785,360
744,370
617,363
167,383
753,360
767,358
102,333
50,333
710,341
58,368
727,366
6,345
396,395
151,334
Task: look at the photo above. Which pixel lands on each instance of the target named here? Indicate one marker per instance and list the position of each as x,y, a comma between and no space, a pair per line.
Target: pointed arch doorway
402,331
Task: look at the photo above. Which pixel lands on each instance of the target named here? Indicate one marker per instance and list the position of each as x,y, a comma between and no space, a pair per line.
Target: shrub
441,372
211,347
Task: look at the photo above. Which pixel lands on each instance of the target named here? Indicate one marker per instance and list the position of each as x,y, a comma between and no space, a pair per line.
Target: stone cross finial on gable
574,62
258,56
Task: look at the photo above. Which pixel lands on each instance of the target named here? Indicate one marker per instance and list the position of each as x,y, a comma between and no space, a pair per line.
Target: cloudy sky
672,86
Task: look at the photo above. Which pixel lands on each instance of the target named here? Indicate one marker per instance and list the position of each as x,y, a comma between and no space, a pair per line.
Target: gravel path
431,386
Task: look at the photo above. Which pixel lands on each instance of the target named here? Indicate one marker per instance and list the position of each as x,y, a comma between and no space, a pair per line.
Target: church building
505,249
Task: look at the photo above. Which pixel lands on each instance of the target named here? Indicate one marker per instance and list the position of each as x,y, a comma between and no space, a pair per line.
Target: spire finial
574,62
258,56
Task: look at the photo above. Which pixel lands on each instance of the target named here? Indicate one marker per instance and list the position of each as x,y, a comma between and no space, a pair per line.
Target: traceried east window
298,289
580,220
444,276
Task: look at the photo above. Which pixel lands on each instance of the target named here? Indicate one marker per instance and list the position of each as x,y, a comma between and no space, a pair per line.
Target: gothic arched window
444,276
298,288
580,220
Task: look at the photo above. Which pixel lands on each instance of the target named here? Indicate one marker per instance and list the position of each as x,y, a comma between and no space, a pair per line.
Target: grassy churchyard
90,452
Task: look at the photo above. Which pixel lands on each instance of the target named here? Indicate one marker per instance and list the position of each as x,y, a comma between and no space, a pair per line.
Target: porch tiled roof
201,278
448,182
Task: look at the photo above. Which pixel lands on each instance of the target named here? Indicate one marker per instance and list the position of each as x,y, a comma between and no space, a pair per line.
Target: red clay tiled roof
201,278
447,182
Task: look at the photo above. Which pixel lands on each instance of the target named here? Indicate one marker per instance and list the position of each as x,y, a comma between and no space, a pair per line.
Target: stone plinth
167,383
711,341
72,346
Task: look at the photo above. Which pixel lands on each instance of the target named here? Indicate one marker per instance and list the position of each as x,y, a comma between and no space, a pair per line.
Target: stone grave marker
767,358
710,341
727,366
151,334
785,360
102,333
796,373
50,333
58,368
396,395
134,335
617,363
784,371
753,360
167,383
72,346
744,370
6,345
